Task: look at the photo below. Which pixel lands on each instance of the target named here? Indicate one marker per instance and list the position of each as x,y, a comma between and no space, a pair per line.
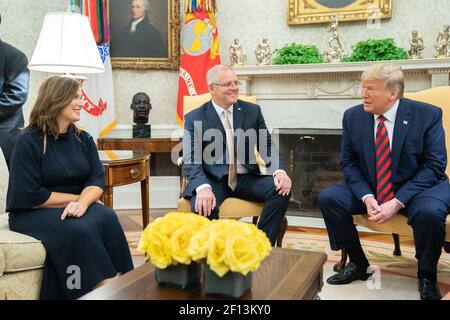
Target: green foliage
297,54
376,50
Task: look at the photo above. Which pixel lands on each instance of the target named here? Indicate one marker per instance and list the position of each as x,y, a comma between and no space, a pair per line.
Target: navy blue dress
81,252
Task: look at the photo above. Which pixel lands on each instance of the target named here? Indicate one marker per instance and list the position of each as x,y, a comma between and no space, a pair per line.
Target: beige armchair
21,257
231,208
439,96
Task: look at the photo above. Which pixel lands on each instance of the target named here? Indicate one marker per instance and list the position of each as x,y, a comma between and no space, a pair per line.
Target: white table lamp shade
66,44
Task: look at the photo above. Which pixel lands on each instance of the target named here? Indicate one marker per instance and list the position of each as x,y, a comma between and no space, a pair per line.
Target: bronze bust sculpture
141,107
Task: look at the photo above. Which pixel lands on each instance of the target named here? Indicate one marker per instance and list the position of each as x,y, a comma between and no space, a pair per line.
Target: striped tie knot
385,190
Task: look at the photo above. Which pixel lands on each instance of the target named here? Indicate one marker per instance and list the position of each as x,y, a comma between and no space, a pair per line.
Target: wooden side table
124,167
157,145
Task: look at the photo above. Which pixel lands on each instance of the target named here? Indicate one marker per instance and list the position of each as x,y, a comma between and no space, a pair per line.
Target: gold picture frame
164,17
320,11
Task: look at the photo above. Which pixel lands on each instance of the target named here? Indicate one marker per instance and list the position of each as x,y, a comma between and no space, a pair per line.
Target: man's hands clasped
381,213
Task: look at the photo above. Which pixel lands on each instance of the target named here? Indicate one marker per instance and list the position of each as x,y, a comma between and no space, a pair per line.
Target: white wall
248,20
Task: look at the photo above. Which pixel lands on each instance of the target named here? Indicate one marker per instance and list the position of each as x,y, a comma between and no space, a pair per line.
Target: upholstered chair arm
2,262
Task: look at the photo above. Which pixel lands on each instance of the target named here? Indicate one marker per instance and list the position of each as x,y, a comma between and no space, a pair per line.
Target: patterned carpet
395,276
378,251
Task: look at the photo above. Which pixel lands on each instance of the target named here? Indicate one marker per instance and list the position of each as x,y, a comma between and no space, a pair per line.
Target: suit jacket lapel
369,144
402,119
238,123
213,118
237,116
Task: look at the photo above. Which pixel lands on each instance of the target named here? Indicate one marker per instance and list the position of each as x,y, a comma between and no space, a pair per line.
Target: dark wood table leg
108,196
145,201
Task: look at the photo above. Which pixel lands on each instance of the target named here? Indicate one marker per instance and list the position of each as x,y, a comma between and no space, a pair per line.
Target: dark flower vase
232,285
181,276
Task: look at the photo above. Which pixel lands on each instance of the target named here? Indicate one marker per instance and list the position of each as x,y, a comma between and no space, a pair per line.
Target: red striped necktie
385,190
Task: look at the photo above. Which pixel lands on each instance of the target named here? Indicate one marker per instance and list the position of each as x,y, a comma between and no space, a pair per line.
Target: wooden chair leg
338,267
397,251
281,231
447,246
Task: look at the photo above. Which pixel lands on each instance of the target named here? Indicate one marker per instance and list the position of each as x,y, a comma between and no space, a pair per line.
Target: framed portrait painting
145,34
320,11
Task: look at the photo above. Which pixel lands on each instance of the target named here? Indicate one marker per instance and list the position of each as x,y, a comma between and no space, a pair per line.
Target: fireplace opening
311,159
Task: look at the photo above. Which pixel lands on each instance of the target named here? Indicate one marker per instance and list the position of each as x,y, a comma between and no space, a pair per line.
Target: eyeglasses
228,84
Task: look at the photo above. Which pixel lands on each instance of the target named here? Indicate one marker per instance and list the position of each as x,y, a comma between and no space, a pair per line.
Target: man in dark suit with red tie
393,158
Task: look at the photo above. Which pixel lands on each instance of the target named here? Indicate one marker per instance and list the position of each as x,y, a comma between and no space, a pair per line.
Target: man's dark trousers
256,188
426,215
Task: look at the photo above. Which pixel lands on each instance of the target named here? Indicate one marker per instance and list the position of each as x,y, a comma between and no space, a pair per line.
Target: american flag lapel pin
405,122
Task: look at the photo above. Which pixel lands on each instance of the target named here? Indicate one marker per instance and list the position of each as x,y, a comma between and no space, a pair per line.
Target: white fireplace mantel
315,96
418,64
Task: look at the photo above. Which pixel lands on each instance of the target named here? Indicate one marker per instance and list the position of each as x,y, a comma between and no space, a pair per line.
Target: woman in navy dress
55,184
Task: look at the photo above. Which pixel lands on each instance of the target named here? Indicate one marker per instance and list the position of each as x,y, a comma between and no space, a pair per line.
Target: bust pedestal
141,131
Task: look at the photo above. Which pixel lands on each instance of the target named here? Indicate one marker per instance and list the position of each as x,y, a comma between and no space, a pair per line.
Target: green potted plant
376,50
295,53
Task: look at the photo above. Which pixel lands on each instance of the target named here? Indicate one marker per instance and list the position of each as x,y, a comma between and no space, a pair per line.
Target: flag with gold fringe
98,115
199,50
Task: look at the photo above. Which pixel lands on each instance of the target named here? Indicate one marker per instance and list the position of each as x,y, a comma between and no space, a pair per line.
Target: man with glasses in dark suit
219,159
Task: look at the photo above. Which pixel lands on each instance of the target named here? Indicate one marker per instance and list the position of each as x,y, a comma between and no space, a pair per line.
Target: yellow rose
199,245
216,253
236,246
240,254
167,239
145,239
179,243
241,228
262,243
159,251
196,222
168,224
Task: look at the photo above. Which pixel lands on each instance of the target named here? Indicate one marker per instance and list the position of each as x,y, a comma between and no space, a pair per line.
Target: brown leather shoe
349,274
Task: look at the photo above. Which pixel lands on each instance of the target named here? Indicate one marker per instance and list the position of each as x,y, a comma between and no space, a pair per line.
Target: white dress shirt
390,116
389,123
240,168
134,25
221,113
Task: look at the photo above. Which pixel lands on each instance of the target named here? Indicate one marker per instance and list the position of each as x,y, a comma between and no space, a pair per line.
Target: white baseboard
164,193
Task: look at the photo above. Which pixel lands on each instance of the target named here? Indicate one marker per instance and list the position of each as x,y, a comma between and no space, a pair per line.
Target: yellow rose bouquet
230,245
167,239
178,242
